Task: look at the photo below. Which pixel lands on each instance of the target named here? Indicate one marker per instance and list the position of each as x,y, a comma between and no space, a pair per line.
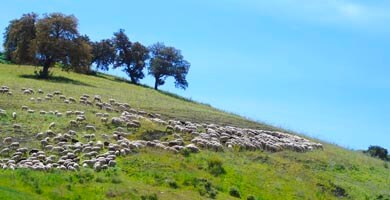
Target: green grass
334,173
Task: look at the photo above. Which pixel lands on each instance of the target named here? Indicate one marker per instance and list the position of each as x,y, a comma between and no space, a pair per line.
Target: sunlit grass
334,173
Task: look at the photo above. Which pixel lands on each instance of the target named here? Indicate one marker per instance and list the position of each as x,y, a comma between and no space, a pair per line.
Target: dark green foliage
186,152
149,197
57,40
131,57
18,38
215,166
165,62
116,180
234,192
51,40
3,59
173,184
80,55
103,54
205,187
251,197
378,152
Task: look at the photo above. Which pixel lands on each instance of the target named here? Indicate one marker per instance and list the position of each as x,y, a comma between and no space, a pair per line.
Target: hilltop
330,173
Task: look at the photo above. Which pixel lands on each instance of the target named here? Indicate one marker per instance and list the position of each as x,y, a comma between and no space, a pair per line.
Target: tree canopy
168,61
54,39
55,35
17,39
131,57
103,54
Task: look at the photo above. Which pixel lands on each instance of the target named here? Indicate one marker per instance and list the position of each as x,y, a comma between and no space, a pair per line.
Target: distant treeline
54,39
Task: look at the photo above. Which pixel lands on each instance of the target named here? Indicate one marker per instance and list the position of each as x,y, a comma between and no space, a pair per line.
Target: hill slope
331,173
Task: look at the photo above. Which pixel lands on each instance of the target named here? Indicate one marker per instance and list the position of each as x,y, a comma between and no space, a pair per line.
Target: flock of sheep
99,151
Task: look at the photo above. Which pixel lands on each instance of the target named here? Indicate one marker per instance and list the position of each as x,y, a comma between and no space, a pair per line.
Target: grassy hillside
333,173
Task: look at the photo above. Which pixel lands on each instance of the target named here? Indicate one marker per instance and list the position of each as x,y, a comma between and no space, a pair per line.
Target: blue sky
314,66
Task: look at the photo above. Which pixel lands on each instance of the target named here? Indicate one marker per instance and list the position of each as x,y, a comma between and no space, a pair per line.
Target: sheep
24,107
131,125
89,136
69,113
99,105
39,136
14,145
39,99
109,109
112,101
50,133
59,114
30,111
52,125
169,129
62,97
14,115
71,99
97,98
42,112
27,92
78,112
9,93
17,126
7,140
104,120
90,128
73,122
80,118
57,93
32,99
40,91
66,101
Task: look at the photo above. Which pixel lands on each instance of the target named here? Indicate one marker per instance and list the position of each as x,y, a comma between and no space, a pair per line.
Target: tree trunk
132,79
45,71
156,84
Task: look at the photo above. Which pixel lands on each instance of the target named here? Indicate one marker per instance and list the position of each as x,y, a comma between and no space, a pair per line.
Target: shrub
251,197
173,184
234,192
116,180
186,152
205,187
377,151
215,166
149,197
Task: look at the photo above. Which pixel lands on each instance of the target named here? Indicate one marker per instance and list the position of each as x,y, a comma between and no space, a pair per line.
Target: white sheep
14,115
52,125
7,140
104,119
90,128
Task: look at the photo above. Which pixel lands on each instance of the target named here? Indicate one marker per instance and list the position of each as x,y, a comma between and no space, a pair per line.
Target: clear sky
319,67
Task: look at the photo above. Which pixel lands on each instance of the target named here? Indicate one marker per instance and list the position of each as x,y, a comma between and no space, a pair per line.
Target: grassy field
333,173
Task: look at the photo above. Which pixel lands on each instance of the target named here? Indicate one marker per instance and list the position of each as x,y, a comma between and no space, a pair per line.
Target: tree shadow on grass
56,79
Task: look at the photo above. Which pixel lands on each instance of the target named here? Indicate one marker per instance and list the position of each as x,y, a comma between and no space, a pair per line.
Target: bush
186,152
251,197
378,152
116,180
149,197
234,192
173,184
215,166
205,187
